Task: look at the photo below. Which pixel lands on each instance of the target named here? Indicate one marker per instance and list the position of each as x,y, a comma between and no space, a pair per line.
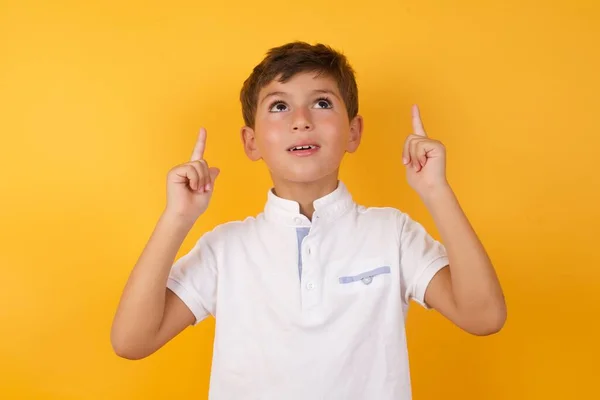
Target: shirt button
309,250
298,221
310,286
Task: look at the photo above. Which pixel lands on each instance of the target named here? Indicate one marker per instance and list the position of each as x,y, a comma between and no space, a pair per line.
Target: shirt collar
327,208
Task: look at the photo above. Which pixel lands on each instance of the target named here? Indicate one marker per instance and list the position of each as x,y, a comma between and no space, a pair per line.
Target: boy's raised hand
424,158
190,185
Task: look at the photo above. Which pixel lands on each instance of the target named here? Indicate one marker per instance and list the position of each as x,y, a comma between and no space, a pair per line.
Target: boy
310,297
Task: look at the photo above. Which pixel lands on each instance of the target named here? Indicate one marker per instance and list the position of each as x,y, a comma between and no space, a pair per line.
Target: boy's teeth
303,147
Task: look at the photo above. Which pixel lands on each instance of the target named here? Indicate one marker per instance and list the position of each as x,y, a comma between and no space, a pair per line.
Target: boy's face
305,111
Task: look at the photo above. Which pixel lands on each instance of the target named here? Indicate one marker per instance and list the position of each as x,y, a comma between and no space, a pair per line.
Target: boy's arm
468,291
149,315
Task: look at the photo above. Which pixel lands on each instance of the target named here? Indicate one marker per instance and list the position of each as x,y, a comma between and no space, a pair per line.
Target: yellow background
98,101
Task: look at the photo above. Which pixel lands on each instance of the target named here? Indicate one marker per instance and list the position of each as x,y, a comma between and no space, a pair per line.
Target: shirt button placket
312,292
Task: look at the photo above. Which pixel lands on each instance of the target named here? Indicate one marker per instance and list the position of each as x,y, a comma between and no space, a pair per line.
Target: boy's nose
301,123
302,127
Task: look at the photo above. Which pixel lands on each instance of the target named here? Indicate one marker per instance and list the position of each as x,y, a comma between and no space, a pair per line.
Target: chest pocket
361,288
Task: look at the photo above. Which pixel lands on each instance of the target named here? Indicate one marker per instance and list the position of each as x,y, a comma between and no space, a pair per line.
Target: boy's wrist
175,222
437,194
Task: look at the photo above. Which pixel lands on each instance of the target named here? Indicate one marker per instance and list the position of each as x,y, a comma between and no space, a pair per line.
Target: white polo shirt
310,310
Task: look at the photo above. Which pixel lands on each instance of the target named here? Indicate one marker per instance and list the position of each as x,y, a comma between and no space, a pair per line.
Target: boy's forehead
300,83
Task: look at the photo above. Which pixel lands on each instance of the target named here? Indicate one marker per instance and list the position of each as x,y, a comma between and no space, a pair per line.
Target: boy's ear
249,141
356,129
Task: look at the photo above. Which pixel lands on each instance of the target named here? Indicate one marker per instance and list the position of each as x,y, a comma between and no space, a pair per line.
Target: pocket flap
365,277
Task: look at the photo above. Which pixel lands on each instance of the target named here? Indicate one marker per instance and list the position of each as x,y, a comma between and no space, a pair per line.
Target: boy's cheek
272,129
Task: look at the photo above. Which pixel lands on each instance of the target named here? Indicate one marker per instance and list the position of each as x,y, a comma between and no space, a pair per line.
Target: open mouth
301,148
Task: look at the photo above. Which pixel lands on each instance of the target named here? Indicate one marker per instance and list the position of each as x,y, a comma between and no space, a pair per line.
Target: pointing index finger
416,122
198,152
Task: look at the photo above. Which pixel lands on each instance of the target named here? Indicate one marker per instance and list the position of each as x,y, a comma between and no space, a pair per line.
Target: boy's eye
324,103
278,106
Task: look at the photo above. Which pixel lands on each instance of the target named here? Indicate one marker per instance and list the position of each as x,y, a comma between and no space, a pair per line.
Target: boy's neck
305,193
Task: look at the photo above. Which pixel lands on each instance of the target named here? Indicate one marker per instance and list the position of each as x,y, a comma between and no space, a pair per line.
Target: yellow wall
97,102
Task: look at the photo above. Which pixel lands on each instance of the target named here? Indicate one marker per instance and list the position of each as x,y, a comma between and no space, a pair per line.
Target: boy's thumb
214,172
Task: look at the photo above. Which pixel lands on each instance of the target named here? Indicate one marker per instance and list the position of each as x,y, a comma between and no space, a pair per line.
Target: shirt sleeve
421,257
193,278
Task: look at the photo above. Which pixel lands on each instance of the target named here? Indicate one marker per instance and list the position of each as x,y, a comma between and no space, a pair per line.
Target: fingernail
207,187
404,160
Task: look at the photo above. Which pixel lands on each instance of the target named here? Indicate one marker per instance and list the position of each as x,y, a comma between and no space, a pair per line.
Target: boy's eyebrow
271,94
283,94
326,91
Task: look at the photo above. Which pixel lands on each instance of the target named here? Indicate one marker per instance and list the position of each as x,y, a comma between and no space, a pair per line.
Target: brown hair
285,61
